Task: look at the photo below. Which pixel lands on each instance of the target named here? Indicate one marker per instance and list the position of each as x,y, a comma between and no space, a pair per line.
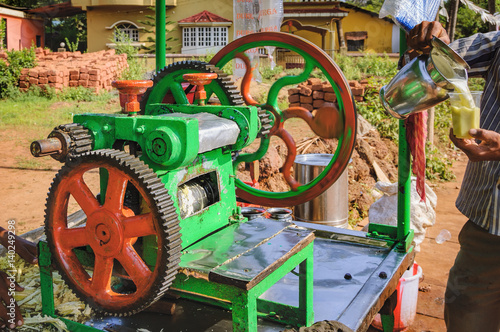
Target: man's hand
10,314
24,248
420,36
487,150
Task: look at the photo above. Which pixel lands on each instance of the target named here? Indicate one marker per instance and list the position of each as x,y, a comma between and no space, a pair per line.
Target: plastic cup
443,236
464,116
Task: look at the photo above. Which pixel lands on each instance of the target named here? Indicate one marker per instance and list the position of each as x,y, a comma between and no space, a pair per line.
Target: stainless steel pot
332,206
424,82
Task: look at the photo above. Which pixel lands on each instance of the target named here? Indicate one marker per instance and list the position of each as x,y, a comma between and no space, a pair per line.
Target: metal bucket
331,207
424,82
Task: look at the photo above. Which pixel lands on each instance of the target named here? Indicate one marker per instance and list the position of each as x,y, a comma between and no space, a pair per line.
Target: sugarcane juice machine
165,216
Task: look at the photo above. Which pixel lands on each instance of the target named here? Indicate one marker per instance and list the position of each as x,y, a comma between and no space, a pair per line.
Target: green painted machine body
170,146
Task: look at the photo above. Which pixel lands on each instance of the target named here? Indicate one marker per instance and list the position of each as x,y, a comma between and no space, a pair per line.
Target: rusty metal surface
259,261
228,243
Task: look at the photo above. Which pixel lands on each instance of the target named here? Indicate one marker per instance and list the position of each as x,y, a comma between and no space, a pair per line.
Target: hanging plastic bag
422,214
270,18
408,13
246,21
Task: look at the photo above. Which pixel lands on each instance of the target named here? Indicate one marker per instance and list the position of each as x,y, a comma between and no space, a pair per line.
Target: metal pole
404,169
160,34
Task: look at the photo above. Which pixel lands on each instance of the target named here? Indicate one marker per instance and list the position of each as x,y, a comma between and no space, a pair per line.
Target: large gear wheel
330,121
167,85
114,233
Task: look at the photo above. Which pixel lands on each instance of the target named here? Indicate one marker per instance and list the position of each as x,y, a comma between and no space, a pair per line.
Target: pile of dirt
373,159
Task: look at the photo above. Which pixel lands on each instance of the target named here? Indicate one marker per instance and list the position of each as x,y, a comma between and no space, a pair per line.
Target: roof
335,11
336,8
64,9
12,7
204,16
349,6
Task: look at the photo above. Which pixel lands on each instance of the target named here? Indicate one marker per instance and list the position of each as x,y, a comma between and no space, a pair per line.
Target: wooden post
452,23
430,125
340,32
492,10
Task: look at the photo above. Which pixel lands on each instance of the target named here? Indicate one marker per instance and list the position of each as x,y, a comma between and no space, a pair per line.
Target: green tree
71,29
9,74
136,67
150,23
468,21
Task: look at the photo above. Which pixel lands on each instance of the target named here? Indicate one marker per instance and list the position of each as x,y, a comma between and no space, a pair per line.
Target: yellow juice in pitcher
464,109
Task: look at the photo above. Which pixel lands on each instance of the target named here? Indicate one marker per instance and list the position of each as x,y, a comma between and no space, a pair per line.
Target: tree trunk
430,125
492,10
452,23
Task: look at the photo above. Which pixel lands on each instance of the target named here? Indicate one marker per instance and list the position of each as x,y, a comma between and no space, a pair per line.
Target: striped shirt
479,197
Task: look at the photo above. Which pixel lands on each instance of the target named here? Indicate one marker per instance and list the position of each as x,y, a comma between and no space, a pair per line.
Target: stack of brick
315,94
72,69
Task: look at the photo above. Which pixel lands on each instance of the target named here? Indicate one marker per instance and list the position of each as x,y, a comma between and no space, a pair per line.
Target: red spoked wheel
332,121
114,233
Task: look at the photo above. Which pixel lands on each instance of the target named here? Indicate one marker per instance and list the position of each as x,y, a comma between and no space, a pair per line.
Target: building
200,26
22,29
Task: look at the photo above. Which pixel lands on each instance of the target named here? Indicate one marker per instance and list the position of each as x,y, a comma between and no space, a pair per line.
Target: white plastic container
406,309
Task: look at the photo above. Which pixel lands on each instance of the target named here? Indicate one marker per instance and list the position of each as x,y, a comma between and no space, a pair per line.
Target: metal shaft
46,147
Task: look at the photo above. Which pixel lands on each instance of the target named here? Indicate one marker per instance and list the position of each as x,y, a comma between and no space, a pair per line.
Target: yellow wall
379,31
98,18
187,8
101,17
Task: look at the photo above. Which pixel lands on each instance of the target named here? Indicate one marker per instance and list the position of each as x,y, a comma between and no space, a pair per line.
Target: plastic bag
408,13
422,214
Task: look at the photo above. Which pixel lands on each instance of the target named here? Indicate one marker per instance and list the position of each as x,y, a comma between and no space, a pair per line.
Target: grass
31,163
39,114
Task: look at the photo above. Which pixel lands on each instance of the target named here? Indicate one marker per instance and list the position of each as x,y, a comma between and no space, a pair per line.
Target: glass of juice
465,112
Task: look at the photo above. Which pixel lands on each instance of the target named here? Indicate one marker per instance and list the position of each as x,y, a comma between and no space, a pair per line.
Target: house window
128,29
355,45
356,40
204,36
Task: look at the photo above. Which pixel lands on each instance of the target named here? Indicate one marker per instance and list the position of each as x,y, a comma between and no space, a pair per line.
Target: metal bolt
106,128
140,129
347,276
382,275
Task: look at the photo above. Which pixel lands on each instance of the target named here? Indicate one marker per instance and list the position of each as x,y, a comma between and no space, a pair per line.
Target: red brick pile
315,93
72,69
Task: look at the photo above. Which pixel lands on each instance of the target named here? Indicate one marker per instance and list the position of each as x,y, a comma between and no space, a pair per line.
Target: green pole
404,169
160,34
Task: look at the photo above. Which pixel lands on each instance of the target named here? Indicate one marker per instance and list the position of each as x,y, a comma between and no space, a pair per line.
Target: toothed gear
75,140
265,122
174,71
113,231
